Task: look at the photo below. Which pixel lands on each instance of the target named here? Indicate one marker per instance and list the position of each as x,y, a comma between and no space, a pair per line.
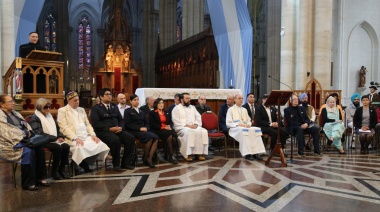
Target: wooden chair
14,169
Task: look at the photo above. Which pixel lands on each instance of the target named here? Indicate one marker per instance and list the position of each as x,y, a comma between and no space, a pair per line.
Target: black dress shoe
30,188
172,159
342,153
211,149
249,157
64,175
257,157
130,167
117,168
56,176
147,163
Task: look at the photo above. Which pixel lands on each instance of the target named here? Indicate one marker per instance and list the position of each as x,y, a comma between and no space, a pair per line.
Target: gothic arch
373,37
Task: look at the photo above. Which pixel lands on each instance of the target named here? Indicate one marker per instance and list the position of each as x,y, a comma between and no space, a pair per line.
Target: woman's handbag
38,141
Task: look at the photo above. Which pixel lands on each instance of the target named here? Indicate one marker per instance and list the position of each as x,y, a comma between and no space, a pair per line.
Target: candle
93,80
231,82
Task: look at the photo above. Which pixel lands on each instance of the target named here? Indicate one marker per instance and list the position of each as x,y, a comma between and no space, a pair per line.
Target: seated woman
135,123
365,120
333,125
42,122
73,123
13,129
160,126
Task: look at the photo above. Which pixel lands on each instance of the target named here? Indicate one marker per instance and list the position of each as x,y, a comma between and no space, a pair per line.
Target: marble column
302,45
192,17
7,37
322,42
150,39
168,23
287,66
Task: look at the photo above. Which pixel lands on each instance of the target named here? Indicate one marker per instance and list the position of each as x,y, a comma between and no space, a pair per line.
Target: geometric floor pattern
314,183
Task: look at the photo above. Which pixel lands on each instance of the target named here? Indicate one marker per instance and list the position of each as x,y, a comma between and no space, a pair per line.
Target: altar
215,97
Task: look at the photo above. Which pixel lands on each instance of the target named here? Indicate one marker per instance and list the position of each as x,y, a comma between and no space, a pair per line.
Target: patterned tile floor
330,182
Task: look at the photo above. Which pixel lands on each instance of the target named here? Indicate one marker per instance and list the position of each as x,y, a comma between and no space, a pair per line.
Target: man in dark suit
25,49
171,107
201,106
223,113
149,101
297,123
266,119
109,127
250,106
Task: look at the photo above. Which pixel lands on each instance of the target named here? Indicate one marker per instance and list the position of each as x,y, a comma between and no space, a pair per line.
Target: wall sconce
308,73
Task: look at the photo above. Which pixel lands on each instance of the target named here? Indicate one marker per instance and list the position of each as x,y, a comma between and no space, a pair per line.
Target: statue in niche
109,57
18,79
126,58
362,72
53,81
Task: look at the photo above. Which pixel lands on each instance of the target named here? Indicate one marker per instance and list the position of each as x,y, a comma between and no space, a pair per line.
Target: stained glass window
50,34
179,20
84,45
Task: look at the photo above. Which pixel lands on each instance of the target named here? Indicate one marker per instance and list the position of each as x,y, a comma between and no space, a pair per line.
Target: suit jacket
146,109
155,121
246,106
25,49
200,110
291,117
222,117
67,124
358,117
375,97
134,120
262,118
103,120
169,114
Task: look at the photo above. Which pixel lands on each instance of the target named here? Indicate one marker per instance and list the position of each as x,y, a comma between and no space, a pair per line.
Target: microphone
280,82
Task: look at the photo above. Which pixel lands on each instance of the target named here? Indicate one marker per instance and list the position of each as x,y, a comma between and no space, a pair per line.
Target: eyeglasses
47,107
107,94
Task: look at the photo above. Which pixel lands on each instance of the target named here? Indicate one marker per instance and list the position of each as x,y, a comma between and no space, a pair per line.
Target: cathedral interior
314,46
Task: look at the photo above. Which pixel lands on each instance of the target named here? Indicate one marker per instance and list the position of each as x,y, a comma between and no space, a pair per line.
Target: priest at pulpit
25,49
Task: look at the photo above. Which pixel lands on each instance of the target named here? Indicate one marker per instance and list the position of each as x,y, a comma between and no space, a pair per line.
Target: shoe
147,163
201,158
342,153
301,154
56,176
117,168
85,167
249,157
30,188
189,158
211,149
63,174
46,184
318,153
130,167
257,157
172,160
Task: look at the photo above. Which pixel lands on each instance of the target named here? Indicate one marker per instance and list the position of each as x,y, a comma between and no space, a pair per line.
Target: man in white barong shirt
85,146
188,125
239,124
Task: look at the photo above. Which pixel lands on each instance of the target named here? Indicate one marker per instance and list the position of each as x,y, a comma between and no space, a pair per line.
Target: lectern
278,98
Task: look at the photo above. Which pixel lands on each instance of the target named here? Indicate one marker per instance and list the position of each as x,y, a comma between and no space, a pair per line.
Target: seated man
201,106
188,125
350,112
85,146
171,107
298,122
249,138
223,113
250,106
109,127
266,118
309,109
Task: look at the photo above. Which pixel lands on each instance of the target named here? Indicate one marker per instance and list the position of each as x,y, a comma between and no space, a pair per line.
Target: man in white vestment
239,124
85,146
188,125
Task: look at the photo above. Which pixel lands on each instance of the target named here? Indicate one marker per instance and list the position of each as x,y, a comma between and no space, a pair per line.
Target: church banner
233,37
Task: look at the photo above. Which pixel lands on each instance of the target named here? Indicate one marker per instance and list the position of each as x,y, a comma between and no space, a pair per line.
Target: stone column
287,45
168,23
192,17
150,39
7,37
302,45
322,42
